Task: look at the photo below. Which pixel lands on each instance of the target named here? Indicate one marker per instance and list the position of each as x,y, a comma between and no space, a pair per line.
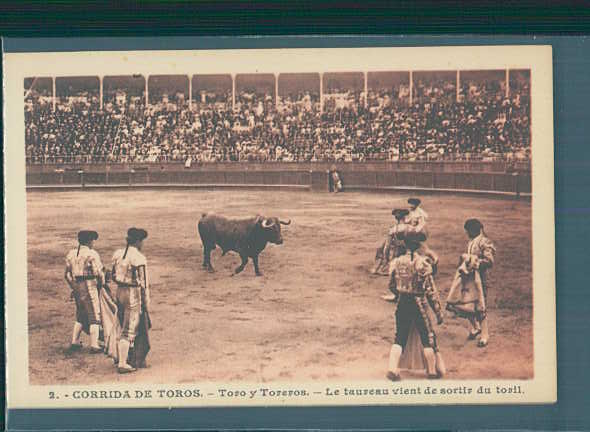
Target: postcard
280,227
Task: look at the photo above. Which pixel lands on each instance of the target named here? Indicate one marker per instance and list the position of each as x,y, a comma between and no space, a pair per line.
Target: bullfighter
133,294
84,274
412,285
417,216
468,294
388,249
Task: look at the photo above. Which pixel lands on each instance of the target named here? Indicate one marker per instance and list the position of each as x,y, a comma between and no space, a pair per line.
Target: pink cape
412,358
466,296
413,355
110,324
112,331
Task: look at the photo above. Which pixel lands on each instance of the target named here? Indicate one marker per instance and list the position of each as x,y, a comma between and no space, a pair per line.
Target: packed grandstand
89,120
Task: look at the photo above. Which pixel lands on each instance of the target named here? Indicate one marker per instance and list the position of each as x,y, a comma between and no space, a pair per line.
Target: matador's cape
110,323
112,331
412,357
466,297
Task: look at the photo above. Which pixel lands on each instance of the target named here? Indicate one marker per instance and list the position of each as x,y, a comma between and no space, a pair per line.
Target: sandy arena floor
316,312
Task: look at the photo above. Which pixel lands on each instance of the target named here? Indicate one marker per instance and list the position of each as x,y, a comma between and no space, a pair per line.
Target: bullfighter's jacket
417,219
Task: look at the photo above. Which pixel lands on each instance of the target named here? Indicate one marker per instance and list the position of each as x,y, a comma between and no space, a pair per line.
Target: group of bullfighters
412,267
112,306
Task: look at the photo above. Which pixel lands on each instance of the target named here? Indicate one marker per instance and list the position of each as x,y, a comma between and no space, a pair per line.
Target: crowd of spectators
479,124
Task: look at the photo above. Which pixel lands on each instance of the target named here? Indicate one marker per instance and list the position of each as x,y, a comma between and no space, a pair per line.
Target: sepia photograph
284,226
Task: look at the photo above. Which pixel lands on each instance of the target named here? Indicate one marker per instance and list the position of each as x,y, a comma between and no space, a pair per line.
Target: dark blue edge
572,177
17,45
289,418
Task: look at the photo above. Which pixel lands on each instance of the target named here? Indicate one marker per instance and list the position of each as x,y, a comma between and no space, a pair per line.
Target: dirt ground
315,314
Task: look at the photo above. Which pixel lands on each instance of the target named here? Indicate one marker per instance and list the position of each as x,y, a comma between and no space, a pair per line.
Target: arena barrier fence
436,166
486,183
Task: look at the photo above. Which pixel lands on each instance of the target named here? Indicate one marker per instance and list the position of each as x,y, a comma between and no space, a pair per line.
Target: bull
247,237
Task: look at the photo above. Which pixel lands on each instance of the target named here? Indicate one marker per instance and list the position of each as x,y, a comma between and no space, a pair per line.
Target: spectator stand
390,122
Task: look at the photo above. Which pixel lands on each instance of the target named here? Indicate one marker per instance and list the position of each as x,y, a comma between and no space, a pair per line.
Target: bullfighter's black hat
86,236
414,201
413,240
400,213
473,225
136,234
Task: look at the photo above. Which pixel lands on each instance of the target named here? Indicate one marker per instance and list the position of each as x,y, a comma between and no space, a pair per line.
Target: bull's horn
285,223
267,223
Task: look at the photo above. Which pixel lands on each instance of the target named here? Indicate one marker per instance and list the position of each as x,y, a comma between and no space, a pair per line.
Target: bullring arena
156,151
315,314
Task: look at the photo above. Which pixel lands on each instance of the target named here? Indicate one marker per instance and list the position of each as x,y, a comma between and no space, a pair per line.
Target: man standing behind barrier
133,294
334,180
84,274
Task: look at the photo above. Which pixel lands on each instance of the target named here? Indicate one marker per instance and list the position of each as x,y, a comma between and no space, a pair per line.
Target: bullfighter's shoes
441,369
393,376
430,363
125,369
485,334
473,334
75,347
388,297
394,355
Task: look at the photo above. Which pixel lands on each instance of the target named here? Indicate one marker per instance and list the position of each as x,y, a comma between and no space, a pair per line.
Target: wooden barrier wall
435,166
474,181
316,180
